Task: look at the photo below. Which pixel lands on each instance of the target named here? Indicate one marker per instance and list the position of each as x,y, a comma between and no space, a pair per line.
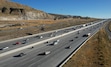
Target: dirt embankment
110,26
95,53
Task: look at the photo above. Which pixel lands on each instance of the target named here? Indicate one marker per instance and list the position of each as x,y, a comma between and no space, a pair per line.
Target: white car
41,37
56,42
4,48
45,53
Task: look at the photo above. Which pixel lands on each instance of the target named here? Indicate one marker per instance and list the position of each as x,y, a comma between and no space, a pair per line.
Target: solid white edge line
77,50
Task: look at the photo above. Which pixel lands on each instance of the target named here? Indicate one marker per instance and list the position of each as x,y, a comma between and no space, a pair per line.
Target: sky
90,8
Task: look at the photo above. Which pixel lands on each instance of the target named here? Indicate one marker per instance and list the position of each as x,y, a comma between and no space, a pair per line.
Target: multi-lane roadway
67,41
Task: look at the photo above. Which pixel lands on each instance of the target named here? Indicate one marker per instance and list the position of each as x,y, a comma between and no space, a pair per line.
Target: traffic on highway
48,49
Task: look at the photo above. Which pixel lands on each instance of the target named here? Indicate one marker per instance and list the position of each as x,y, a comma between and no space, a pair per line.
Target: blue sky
91,8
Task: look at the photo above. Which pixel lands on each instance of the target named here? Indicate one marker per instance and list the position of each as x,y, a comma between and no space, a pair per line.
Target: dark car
85,35
76,37
71,40
68,47
20,55
17,43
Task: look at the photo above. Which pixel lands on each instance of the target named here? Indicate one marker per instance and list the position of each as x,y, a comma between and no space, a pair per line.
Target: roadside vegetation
110,26
14,29
95,53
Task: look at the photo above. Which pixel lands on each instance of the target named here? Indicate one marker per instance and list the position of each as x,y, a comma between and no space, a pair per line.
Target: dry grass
28,23
110,26
34,26
95,53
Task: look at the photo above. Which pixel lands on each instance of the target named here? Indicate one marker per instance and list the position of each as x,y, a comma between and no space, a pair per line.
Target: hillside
13,11
60,16
10,10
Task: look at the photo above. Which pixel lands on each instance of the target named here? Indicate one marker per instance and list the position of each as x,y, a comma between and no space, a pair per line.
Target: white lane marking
5,60
25,47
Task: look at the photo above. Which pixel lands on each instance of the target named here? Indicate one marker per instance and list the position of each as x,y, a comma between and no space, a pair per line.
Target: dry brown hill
10,9
13,11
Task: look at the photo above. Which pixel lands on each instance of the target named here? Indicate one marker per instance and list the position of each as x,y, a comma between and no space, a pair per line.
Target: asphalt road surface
34,57
33,39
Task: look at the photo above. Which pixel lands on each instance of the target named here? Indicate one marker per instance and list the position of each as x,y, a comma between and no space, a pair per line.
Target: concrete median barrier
28,46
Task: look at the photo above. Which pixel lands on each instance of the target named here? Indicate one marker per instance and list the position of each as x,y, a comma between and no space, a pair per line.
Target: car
4,48
20,55
76,37
56,42
1,48
25,41
68,47
45,53
17,43
86,35
50,34
71,40
39,36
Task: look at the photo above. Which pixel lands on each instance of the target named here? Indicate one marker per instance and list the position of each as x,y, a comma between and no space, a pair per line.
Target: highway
34,38
58,52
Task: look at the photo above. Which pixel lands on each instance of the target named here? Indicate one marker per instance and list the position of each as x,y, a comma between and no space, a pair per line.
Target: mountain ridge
21,12
13,11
